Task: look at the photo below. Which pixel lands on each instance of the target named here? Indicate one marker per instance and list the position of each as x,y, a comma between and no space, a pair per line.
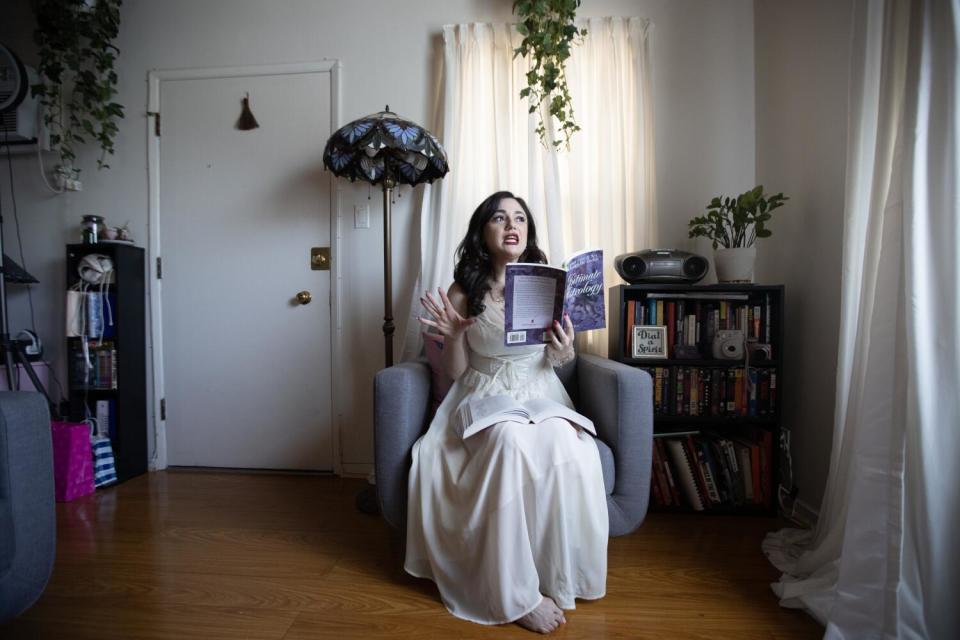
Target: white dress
515,511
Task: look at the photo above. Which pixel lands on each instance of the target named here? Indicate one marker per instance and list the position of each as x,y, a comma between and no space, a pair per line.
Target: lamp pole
388,327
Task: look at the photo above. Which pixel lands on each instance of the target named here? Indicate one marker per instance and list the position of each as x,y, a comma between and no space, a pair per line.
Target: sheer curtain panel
882,560
599,193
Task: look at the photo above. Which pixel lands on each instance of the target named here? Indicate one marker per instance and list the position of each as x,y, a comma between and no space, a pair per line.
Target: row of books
714,391
101,373
694,320
706,470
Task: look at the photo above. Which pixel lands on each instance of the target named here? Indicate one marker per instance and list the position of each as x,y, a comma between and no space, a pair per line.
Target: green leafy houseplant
548,31
737,222
77,78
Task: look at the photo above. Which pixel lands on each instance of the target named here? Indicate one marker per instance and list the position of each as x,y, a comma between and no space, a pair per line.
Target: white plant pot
735,265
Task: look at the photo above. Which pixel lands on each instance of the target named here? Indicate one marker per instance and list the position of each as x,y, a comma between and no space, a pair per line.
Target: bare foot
545,618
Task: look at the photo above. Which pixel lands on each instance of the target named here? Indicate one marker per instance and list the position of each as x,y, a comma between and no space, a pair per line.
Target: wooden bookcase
714,414
121,378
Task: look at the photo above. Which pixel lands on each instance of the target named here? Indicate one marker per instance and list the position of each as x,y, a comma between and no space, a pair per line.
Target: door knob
304,297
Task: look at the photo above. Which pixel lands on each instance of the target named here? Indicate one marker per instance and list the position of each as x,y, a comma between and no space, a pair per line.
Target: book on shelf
692,320
628,337
93,365
664,474
767,483
766,320
537,295
685,468
707,469
699,473
714,459
757,446
478,414
714,391
658,479
751,476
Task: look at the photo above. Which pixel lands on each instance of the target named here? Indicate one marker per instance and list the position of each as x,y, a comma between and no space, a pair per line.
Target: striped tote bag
104,469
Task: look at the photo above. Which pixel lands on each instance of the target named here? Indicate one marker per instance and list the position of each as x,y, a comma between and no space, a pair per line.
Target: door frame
155,78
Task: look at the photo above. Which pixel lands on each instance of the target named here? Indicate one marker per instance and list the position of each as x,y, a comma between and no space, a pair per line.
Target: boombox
661,265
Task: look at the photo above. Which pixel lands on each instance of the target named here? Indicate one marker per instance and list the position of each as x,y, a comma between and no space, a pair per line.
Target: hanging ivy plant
77,79
548,31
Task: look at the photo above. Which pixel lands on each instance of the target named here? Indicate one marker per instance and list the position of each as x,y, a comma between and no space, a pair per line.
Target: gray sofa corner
27,507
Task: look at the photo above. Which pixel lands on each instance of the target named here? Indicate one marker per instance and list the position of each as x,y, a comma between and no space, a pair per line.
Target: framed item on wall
649,341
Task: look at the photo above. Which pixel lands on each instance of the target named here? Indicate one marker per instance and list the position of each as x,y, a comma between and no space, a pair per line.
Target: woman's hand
561,337
560,347
446,319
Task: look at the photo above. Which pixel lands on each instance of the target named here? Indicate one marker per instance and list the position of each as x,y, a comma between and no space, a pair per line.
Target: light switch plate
361,216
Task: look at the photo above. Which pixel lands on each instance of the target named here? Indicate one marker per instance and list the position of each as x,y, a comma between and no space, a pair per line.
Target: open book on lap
476,415
537,295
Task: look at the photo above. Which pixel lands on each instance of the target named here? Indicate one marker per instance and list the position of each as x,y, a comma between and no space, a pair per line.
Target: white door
246,368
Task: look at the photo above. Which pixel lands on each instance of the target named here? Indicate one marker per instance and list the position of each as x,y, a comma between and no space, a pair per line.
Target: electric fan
13,80
13,91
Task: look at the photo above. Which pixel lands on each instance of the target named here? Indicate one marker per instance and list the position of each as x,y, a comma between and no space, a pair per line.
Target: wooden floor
222,555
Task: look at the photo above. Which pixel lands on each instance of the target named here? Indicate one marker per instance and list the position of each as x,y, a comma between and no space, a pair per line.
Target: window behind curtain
597,194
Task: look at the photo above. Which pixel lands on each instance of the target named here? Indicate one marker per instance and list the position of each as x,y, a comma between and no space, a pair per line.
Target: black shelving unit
127,389
745,421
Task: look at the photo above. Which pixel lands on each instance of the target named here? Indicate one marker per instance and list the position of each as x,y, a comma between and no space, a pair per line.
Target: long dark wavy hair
474,266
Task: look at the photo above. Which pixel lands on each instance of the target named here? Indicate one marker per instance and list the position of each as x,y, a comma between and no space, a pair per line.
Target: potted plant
77,78
734,224
548,31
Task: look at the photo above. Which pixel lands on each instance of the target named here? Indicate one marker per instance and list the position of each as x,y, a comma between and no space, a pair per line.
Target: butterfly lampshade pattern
384,148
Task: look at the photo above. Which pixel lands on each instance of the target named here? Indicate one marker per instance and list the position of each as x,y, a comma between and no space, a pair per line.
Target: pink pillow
440,381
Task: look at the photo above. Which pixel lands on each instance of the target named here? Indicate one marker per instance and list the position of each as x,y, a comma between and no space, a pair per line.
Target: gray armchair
618,398
27,515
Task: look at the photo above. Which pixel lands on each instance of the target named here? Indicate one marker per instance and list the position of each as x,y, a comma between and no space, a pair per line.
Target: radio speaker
661,265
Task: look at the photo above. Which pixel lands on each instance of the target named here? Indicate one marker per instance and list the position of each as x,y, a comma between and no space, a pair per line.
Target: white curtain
600,193
883,560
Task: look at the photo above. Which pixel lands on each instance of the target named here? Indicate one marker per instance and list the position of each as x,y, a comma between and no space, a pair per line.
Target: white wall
704,101
802,51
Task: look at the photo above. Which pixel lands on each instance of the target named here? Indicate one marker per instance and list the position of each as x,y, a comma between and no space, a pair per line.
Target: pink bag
72,460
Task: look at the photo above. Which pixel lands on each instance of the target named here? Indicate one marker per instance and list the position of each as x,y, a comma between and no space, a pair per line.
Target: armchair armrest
401,398
619,400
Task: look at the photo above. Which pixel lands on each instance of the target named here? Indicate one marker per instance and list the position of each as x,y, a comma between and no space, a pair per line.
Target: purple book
538,294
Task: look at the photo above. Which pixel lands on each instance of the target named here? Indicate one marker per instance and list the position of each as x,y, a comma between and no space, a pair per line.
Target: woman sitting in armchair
510,523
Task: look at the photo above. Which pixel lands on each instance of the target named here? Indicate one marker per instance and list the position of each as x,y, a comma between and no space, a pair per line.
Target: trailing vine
548,31
77,78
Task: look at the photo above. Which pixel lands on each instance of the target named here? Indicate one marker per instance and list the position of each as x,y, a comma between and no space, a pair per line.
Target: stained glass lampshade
386,150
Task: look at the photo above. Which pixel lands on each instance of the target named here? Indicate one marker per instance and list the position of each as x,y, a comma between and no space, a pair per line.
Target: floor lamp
386,150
